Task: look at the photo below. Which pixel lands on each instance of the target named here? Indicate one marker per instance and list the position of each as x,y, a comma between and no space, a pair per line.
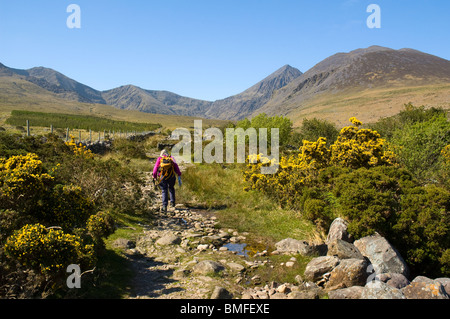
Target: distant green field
79,122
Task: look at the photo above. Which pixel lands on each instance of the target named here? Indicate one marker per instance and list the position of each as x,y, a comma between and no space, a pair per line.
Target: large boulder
338,230
343,250
425,288
446,283
319,266
382,255
349,272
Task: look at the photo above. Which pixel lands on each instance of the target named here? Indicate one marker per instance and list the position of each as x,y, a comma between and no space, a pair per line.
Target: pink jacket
158,162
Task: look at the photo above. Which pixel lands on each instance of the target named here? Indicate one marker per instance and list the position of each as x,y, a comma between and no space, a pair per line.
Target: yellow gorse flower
46,250
22,174
79,149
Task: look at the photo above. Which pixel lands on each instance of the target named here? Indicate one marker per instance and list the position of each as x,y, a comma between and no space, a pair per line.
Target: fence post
51,128
90,136
67,135
28,127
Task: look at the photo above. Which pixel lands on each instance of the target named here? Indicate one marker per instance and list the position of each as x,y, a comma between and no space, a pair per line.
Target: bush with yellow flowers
46,226
354,148
79,149
23,181
45,250
99,226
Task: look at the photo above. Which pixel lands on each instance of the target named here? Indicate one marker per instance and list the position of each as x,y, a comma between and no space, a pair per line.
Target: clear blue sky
207,49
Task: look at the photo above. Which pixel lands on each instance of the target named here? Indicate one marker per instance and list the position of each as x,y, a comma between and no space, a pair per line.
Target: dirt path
185,255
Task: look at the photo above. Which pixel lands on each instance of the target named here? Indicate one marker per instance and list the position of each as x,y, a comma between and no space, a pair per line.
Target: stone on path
221,293
169,239
207,267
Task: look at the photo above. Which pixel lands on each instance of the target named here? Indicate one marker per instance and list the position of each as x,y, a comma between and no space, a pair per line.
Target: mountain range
372,82
360,74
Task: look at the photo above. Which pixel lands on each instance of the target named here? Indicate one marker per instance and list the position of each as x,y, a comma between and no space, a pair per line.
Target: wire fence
87,136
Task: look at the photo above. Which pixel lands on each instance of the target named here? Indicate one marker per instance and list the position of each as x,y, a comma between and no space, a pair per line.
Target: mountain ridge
131,97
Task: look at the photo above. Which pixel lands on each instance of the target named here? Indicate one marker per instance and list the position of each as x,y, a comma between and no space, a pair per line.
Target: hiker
165,173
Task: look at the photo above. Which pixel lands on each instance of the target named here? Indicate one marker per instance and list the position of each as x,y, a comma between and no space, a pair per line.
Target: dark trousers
168,188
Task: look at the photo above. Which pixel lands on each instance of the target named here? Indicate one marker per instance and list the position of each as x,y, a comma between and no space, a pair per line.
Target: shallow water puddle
238,248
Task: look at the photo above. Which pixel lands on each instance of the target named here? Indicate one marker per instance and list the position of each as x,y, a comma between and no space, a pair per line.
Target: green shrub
67,207
369,198
360,179
418,147
422,231
313,129
408,116
318,211
262,120
388,200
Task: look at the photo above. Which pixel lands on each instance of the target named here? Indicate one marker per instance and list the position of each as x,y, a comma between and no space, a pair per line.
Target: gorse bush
353,148
23,180
356,147
360,178
48,251
100,225
79,149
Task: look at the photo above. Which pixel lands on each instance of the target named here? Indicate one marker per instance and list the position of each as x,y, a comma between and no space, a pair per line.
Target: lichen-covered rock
349,272
425,288
169,239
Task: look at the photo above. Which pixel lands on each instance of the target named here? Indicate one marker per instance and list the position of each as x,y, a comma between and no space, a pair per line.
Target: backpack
167,168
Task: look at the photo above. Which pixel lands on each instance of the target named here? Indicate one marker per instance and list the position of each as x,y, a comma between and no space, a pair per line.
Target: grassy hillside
86,122
369,105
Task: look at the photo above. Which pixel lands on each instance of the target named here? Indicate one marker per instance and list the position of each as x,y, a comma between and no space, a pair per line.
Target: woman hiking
165,173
